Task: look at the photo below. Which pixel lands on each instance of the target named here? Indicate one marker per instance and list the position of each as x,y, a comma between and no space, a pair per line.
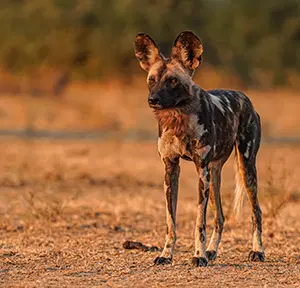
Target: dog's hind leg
246,149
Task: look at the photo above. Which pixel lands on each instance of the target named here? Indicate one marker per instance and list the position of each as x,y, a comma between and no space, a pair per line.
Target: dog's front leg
172,171
200,258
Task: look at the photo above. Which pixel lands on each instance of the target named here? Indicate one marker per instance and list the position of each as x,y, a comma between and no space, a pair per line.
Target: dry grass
117,106
67,207
277,192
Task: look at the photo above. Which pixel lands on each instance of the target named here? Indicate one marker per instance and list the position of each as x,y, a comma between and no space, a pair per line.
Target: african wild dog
203,127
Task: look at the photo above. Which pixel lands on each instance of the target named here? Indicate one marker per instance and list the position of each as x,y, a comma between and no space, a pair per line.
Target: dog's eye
173,82
151,82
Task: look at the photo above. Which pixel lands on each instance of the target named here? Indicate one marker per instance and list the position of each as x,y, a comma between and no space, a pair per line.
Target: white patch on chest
217,102
195,128
170,146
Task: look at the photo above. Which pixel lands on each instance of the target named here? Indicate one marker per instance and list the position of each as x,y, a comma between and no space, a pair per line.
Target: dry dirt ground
67,207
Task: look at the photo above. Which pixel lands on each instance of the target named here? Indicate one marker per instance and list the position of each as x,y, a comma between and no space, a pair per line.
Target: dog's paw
199,262
162,261
211,254
256,256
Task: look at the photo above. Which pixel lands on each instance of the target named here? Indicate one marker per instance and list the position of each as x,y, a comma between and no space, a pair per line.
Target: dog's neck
176,120
172,120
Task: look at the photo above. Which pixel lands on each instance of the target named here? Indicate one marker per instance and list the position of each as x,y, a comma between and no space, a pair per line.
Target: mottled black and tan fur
203,127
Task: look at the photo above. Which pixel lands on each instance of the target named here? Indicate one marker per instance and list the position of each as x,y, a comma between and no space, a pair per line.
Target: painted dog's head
169,79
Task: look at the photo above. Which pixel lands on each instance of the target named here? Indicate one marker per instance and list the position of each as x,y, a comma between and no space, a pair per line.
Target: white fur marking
248,148
206,149
201,131
228,104
249,120
217,102
196,127
205,171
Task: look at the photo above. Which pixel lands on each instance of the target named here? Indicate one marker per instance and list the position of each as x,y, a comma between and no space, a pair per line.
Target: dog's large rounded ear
146,51
188,50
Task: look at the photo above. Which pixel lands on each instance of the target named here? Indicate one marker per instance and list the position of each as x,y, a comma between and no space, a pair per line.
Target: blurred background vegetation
257,41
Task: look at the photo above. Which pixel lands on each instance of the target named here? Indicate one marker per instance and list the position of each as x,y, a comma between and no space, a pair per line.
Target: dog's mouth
179,103
156,106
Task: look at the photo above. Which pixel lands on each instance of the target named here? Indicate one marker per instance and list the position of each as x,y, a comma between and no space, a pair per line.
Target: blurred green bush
94,38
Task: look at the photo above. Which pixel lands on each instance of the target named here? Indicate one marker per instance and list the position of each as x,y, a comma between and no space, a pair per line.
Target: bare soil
67,207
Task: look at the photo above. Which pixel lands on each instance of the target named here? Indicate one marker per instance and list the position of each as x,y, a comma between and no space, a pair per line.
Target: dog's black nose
153,100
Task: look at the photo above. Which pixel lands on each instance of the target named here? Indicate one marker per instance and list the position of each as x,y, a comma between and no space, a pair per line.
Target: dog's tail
240,191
